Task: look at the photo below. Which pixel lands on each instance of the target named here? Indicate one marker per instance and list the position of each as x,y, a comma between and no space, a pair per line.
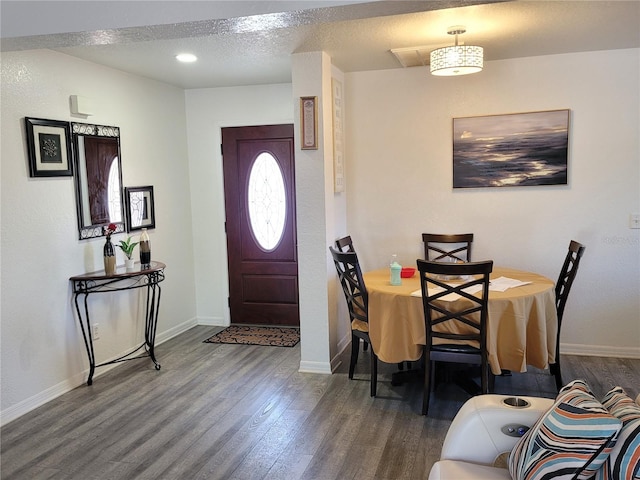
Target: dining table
522,320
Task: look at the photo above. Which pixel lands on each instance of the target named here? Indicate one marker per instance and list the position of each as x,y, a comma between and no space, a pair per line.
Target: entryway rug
257,335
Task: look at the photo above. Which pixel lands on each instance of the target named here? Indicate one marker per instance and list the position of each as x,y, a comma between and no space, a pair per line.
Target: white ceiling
250,42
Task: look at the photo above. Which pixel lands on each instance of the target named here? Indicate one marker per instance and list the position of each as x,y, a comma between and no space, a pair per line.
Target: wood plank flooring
244,412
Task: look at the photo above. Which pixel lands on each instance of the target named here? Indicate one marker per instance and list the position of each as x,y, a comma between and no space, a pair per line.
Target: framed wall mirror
98,167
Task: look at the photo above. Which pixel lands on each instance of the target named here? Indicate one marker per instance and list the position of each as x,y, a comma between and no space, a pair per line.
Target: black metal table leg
151,320
148,275
86,334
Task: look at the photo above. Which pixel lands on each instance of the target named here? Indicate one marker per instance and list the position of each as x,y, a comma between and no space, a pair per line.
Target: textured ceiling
244,43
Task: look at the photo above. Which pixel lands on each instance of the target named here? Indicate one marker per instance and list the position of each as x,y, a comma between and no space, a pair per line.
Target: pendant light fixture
457,59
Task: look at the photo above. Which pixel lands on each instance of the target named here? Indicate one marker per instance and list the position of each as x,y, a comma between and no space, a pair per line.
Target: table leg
151,324
86,334
411,375
151,321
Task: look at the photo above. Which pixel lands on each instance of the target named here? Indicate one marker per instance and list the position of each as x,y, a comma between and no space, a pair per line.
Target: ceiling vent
413,56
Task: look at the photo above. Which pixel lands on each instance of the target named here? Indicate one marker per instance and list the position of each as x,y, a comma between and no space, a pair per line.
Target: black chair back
567,276
350,276
455,299
435,243
345,244
563,287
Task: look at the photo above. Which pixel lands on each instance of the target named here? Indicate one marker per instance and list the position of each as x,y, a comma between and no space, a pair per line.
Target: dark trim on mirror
98,166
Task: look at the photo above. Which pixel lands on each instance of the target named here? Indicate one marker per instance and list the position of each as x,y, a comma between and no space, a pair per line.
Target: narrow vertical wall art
309,123
338,135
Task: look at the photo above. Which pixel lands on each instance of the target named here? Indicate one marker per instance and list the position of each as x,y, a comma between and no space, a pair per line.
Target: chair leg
484,381
492,381
374,373
426,389
554,368
355,347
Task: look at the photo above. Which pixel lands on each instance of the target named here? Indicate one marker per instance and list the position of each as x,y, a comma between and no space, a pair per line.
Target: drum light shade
456,59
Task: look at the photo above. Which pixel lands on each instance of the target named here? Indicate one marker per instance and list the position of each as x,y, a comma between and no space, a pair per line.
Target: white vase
129,264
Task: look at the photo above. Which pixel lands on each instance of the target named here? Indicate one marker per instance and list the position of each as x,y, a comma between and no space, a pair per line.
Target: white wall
209,110
43,353
311,74
399,167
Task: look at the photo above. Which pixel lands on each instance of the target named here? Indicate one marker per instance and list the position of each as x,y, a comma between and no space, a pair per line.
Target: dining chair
345,244
435,243
563,286
355,292
455,313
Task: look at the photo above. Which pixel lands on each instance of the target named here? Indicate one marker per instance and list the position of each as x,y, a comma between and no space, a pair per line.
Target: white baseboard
599,350
335,363
175,331
15,411
315,367
9,414
342,346
213,321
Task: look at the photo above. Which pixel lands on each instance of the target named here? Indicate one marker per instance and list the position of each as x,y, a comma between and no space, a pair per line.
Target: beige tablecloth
522,322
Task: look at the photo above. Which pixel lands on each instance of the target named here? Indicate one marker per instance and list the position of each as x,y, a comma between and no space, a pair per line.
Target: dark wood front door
259,191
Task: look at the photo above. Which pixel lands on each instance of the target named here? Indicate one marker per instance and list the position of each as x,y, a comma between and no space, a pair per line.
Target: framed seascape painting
518,149
49,147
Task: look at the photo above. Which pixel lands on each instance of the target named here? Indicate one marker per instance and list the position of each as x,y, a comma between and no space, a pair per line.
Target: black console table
148,276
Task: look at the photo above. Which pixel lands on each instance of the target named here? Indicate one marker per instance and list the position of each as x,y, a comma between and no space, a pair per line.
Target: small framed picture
140,208
49,147
309,122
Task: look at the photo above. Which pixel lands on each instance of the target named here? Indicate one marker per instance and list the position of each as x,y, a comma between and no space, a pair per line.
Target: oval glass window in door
267,201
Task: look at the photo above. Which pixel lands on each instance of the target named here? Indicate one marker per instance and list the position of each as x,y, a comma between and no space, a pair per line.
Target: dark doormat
257,335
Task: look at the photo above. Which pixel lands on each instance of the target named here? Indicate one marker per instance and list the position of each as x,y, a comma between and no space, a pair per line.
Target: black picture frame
141,211
48,147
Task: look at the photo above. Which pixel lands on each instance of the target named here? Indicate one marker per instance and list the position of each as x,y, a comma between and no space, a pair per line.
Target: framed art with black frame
140,208
49,147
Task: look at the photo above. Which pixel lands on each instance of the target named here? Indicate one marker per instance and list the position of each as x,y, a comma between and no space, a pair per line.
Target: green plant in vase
127,247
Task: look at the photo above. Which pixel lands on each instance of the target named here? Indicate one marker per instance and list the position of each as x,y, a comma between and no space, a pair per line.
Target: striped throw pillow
624,461
570,441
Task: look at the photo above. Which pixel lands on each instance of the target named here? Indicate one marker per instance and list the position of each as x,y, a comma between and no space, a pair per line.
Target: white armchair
488,426
476,438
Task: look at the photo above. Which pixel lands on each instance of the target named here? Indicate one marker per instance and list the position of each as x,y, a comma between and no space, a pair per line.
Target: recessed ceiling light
186,57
